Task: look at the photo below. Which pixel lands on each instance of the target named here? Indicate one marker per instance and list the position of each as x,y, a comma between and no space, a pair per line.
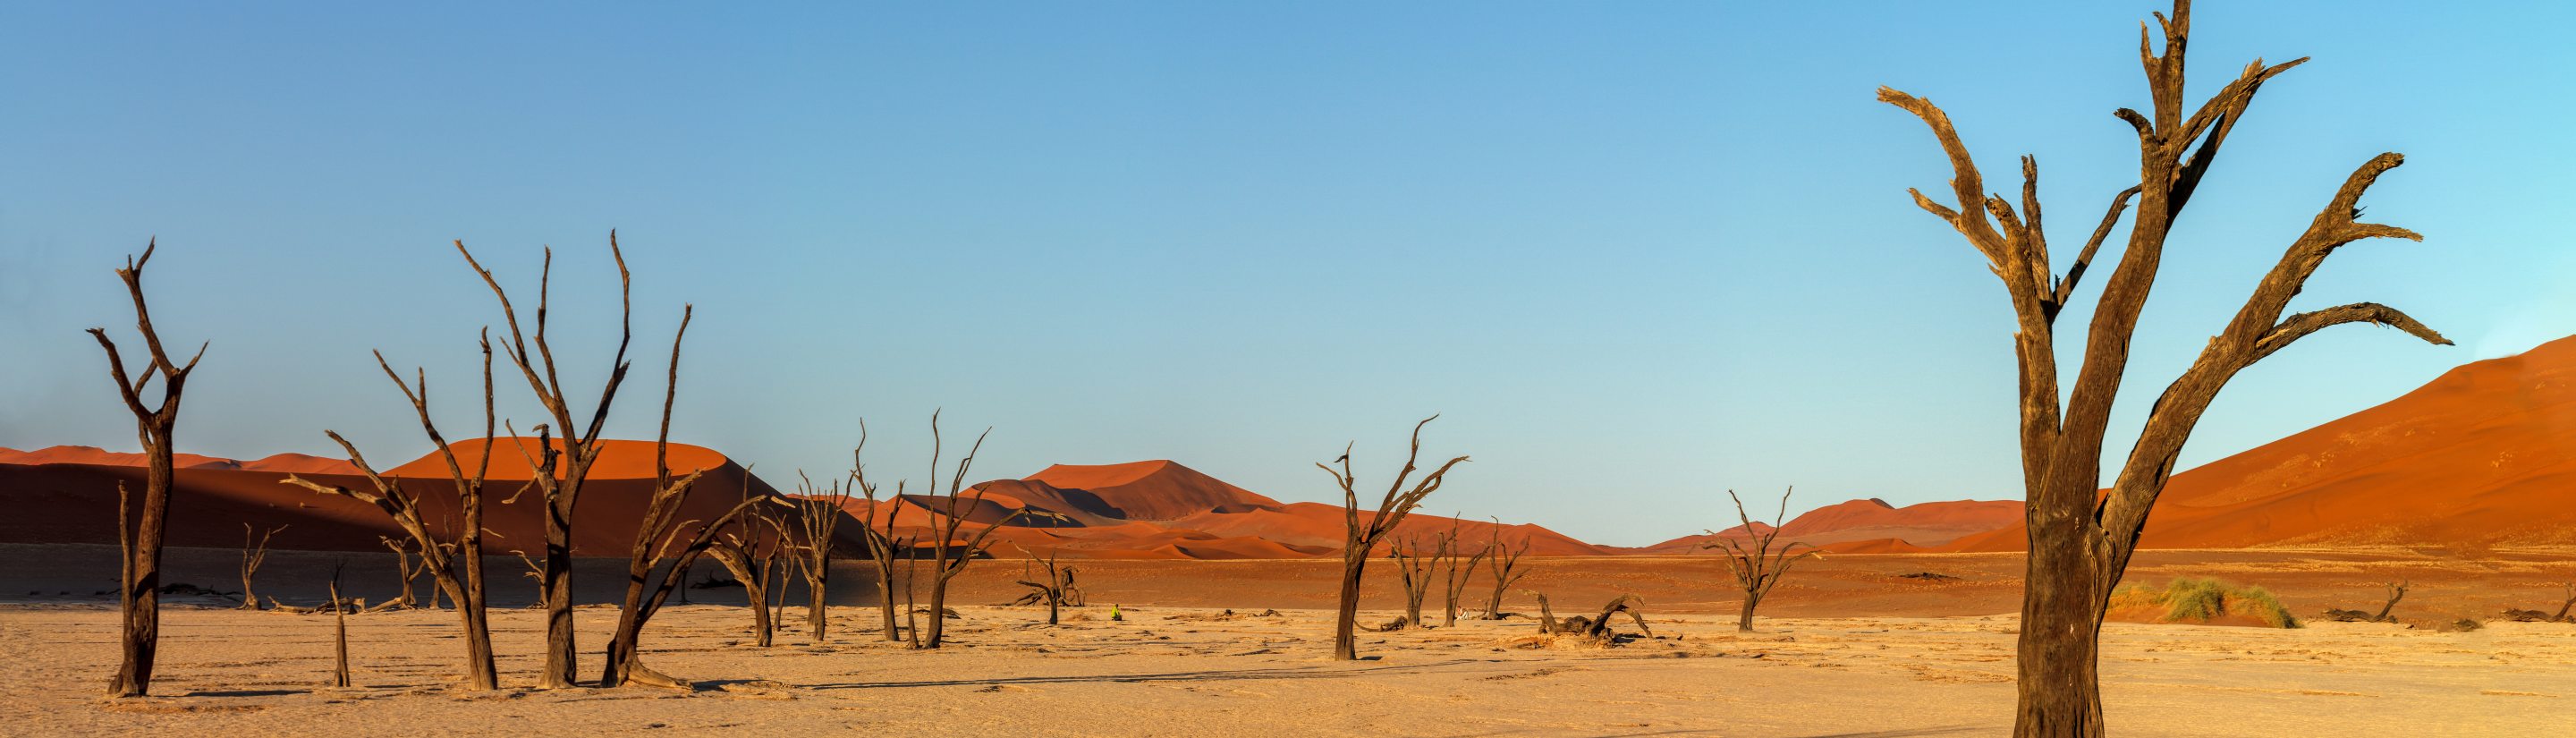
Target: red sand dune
1148,490
2484,455
282,463
210,504
1871,526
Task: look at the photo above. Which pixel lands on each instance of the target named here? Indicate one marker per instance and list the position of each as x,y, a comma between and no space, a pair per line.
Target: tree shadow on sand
1319,671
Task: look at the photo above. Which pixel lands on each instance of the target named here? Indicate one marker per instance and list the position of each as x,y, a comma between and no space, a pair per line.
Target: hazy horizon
1635,255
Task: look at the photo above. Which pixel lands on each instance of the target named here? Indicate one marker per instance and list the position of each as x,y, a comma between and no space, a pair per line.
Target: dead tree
536,573
818,515
1756,564
2536,616
1414,568
2080,539
1506,564
2395,592
1598,626
654,537
562,473
139,532
948,560
252,557
455,567
881,543
752,556
1460,571
1546,615
1054,591
404,568
339,633
1359,538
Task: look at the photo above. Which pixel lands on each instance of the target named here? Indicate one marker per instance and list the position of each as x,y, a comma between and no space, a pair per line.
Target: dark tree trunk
885,589
557,583
142,594
2061,625
1744,618
1346,616
815,581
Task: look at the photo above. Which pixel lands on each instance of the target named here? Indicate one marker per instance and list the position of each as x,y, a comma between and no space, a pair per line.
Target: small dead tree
562,473
818,515
2396,591
1056,588
1506,564
2536,616
1460,571
457,567
252,556
882,542
1598,626
654,537
2080,538
751,554
1756,563
1414,567
404,568
339,633
1360,538
949,559
139,532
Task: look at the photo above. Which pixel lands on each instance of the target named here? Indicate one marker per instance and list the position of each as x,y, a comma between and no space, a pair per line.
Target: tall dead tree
751,554
562,473
1361,537
882,542
655,535
950,556
1506,564
1414,567
455,566
254,553
139,532
1756,563
2080,538
818,515
1461,569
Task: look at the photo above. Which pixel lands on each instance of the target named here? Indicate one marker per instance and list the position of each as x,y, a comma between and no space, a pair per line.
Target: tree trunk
142,595
1744,618
938,610
339,637
815,581
2061,629
1346,618
885,589
1052,603
557,583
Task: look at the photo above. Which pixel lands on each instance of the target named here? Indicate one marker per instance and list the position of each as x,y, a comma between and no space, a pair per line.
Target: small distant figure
1114,616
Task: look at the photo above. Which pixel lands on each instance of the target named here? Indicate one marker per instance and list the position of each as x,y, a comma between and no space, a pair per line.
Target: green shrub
2186,599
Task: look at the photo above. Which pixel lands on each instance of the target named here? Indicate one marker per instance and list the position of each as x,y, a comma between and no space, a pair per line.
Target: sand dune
1869,525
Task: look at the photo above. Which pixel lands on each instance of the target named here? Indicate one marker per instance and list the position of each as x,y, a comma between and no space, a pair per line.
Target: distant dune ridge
2483,456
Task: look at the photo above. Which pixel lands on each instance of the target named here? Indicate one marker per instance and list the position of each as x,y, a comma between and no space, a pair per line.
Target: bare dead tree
882,542
654,537
2570,602
1598,626
1414,567
563,472
1462,567
455,567
1505,562
2536,616
2081,540
818,516
1546,615
1054,590
1360,538
252,557
339,633
751,554
2395,592
1756,563
949,560
536,573
139,532
405,569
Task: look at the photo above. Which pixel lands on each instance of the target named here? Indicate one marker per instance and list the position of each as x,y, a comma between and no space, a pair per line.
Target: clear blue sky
1637,253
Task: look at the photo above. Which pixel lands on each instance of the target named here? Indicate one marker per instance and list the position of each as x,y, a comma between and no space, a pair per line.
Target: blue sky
1637,253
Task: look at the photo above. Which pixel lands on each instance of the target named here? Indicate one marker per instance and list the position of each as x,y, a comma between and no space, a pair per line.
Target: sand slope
1870,525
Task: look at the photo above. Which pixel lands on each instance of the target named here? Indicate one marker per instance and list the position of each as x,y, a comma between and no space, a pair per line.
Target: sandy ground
1178,667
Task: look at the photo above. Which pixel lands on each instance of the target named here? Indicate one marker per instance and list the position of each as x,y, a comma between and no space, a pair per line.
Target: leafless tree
2536,616
818,515
406,570
882,541
949,555
562,473
253,554
2396,591
1462,567
139,532
1757,562
1056,588
1360,538
2081,540
339,633
1506,564
655,535
1414,567
456,568
751,554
